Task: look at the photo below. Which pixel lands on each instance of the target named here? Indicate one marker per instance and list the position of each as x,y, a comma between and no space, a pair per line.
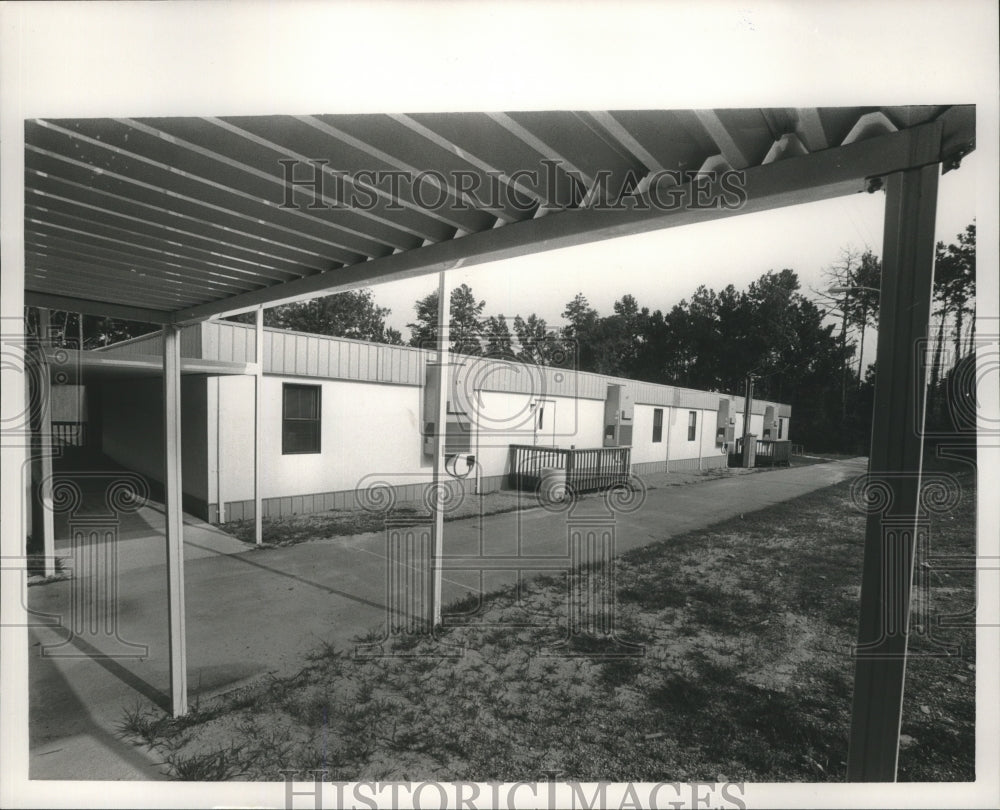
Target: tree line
803,349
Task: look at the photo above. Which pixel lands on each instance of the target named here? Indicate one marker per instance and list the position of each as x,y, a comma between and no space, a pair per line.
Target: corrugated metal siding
152,344
299,354
236,342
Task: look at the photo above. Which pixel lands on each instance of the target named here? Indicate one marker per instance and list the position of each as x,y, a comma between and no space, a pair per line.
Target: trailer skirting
348,498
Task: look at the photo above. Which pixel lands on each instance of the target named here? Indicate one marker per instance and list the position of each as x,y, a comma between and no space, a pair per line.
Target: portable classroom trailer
337,415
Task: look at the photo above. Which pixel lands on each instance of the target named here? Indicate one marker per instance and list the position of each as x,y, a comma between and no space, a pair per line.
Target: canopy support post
46,448
174,512
258,501
895,469
441,432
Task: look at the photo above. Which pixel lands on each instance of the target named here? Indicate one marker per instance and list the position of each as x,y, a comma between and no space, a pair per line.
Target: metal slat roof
177,219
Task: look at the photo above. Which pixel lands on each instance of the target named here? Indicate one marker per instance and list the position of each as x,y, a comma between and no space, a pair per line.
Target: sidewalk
260,611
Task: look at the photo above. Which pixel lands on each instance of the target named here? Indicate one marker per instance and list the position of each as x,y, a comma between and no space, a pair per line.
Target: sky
662,267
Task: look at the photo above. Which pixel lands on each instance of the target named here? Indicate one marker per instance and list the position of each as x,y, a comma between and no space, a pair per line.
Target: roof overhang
174,220
73,367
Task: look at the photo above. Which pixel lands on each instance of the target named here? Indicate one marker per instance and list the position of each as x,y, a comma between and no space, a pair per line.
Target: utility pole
746,406
749,446
843,355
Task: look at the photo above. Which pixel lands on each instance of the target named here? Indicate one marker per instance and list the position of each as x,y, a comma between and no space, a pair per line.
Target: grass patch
808,458
36,569
292,529
214,766
743,672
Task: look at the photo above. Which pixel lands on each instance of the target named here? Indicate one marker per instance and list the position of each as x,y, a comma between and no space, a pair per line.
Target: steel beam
87,306
174,512
733,152
488,169
626,140
895,470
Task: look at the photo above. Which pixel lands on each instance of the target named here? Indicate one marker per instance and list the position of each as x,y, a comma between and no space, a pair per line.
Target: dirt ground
730,660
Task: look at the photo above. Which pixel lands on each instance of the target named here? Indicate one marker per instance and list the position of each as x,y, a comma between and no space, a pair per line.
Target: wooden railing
773,452
69,433
587,469
769,453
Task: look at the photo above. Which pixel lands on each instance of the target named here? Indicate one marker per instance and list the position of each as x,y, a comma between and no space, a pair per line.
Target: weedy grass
214,766
293,529
731,659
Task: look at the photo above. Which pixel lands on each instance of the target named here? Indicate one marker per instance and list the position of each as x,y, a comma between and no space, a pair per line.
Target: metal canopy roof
172,220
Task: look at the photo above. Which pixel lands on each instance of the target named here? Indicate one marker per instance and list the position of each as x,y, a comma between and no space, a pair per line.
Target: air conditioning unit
725,434
770,423
723,423
619,415
458,428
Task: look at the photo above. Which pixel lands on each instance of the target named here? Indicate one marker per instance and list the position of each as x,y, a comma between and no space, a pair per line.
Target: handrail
585,469
768,452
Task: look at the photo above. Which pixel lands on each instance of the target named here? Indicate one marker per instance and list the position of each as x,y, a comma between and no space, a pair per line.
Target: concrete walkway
259,611
140,532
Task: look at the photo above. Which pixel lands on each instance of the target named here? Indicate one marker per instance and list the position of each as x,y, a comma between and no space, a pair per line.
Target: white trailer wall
756,425
371,431
368,431
644,450
371,398
505,419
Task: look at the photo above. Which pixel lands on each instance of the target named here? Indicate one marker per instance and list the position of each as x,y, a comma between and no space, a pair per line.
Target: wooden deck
587,469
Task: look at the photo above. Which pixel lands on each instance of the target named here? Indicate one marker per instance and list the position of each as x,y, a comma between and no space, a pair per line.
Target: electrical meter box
458,430
619,414
723,429
770,424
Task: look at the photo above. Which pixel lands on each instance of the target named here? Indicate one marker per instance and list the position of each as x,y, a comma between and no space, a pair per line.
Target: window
781,427
300,419
692,425
657,425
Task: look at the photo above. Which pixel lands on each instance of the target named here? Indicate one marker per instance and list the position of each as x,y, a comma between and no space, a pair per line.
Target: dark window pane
301,402
300,430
